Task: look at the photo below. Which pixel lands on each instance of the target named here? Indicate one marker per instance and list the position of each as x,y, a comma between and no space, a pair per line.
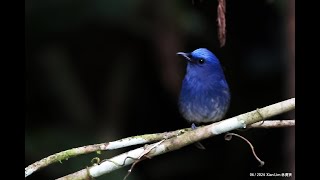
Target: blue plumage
205,95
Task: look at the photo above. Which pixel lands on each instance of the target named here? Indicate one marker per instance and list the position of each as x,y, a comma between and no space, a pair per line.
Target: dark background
100,71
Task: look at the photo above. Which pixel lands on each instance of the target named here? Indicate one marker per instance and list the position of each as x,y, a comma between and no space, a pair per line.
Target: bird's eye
201,61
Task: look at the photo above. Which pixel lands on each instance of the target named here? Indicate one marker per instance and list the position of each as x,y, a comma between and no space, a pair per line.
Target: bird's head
202,63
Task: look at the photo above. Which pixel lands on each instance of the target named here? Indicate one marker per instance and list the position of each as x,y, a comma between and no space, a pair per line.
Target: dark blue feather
205,95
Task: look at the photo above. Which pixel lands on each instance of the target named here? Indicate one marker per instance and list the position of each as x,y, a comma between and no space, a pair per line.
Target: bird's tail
199,145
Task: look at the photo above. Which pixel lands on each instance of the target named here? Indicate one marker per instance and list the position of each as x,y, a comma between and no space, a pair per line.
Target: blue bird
205,94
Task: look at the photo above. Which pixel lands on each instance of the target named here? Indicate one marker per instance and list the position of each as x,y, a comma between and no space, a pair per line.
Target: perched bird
205,94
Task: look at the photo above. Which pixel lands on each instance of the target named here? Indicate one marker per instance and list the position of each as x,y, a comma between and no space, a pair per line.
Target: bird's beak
185,55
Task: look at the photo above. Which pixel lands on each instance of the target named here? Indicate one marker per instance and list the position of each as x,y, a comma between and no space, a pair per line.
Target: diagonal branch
189,137
273,124
134,140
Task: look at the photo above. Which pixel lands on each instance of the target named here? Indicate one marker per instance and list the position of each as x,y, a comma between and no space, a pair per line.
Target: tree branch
273,124
189,137
134,140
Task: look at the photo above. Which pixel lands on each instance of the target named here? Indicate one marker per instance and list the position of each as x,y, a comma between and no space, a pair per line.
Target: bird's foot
193,126
197,144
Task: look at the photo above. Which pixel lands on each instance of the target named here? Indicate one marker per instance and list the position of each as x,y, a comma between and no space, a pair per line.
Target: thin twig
228,137
143,155
131,168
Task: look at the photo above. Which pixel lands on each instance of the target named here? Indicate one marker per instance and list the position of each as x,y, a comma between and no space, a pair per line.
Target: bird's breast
203,103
